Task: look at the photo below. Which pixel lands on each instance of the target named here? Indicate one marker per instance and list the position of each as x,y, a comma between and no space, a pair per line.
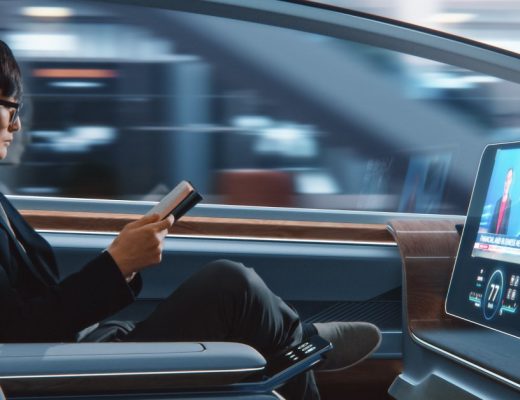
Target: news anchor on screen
500,221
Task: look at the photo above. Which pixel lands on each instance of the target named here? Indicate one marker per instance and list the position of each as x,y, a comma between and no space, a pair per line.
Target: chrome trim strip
234,238
80,200
57,231
217,210
421,232
278,396
228,206
141,373
460,360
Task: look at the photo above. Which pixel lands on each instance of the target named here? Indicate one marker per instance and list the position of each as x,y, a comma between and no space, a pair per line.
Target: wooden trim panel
225,227
372,378
428,250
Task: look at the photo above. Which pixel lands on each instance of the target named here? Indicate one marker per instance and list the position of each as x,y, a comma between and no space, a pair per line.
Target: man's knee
232,275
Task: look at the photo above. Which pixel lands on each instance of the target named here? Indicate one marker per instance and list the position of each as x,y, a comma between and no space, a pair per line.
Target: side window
123,102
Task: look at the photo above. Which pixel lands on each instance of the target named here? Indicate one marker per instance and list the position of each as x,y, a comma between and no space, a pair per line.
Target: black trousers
225,301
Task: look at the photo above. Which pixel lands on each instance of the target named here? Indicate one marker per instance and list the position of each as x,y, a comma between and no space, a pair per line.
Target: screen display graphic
498,235
494,294
485,284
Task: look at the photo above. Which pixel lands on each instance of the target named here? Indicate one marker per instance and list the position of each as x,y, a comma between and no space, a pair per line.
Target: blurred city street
122,103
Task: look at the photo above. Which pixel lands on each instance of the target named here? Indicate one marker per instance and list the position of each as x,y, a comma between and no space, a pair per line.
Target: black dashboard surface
493,351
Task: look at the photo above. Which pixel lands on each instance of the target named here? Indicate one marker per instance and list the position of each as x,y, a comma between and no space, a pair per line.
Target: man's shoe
352,342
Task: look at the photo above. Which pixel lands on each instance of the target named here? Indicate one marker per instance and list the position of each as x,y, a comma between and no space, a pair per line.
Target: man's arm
99,289
95,292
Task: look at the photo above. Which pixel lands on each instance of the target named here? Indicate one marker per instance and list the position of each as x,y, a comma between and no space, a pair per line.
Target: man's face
508,182
8,125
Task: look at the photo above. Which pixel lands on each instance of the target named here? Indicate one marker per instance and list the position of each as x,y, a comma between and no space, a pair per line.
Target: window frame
342,23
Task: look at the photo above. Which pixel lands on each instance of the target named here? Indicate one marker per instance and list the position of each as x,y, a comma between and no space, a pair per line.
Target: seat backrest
256,187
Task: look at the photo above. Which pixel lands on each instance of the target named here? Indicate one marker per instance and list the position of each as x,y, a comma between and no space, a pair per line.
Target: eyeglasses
15,109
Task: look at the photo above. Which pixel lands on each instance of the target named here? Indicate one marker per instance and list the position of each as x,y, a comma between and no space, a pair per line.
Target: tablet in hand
179,201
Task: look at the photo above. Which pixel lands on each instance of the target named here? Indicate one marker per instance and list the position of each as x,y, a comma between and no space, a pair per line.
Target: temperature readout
494,294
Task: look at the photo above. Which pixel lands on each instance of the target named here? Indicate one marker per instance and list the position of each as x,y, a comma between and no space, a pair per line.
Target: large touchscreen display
485,285
498,235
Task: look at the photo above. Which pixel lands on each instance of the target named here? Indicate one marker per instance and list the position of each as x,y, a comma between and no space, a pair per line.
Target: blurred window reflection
124,102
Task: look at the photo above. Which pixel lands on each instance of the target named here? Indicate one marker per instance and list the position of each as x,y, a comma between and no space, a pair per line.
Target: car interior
352,160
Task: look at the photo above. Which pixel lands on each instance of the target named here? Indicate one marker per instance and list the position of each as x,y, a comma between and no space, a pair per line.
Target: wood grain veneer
428,250
368,380
205,226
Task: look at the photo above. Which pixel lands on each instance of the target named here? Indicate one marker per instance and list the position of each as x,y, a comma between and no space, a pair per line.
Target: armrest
115,367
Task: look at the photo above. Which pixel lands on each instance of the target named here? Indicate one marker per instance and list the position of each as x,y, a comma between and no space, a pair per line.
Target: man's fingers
145,220
164,224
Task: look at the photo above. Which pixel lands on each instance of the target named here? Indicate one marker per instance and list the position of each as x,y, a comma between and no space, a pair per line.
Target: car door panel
338,271
324,280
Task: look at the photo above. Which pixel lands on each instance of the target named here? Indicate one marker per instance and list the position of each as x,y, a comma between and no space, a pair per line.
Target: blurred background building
123,102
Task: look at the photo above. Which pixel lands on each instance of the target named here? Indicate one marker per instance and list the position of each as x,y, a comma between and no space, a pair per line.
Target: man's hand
139,244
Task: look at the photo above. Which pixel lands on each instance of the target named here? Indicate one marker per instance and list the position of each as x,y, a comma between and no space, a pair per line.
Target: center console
461,322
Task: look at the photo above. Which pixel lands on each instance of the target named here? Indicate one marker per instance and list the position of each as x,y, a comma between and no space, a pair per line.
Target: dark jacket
35,306
505,219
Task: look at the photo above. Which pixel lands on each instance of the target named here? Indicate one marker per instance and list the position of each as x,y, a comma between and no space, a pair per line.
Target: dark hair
10,73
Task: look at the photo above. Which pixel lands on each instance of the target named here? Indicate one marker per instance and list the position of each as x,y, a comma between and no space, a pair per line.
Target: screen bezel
469,233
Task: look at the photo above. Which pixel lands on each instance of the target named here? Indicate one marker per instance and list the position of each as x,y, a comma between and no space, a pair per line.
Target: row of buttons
304,347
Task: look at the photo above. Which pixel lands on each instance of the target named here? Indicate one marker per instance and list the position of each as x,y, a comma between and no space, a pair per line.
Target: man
500,221
227,301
